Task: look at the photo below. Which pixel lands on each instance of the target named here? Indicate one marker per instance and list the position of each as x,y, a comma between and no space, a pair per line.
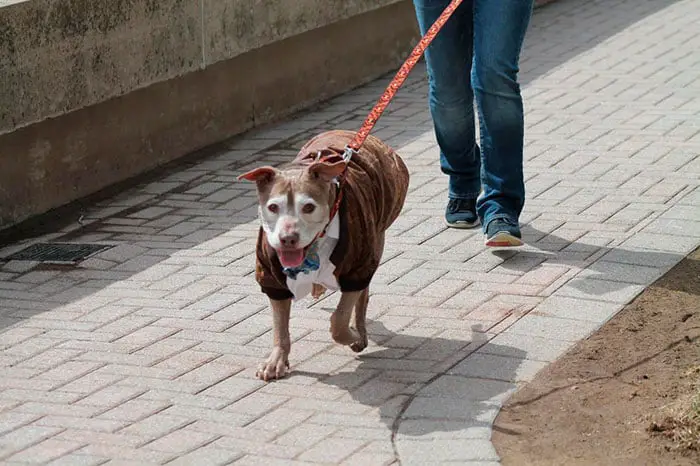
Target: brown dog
302,250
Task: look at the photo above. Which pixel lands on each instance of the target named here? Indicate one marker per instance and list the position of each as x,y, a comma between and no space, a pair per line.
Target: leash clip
348,153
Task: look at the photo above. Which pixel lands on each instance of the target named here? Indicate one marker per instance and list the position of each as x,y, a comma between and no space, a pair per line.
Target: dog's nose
290,240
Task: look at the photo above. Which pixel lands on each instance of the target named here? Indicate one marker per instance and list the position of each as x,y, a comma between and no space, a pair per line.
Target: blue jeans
475,58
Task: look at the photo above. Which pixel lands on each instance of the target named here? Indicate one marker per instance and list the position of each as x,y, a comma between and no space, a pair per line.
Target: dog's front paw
276,365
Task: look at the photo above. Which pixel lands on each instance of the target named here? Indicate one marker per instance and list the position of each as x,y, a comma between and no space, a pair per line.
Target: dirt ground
606,402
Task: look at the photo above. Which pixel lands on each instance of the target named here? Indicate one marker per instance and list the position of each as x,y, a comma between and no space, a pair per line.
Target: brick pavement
145,353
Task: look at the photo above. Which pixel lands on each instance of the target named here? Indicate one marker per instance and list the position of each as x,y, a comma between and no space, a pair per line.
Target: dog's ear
260,174
326,171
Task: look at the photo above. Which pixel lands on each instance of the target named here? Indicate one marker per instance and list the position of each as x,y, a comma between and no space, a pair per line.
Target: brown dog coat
373,196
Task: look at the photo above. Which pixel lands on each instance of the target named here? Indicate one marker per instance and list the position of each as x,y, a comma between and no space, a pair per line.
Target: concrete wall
93,92
87,51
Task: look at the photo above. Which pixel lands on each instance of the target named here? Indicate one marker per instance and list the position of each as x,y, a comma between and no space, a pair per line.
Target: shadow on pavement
425,388
612,273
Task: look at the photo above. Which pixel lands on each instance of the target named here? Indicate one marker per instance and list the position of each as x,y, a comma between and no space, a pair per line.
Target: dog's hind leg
341,331
360,316
361,312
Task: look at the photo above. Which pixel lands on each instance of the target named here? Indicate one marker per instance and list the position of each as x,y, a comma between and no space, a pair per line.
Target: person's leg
499,31
449,59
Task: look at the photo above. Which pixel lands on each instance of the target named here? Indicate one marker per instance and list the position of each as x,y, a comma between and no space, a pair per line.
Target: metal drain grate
57,253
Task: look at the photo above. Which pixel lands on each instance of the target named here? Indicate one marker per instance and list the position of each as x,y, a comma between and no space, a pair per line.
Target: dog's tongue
291,258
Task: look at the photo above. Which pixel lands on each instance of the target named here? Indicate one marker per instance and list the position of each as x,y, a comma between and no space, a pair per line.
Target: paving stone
10,421
181,441
155,426
421,452
84,437
595,289
91,382
73,421
107,314
281,419
26,394
438,349
544,275
498,367
185,399
118,454
45,451
468,299
261,460
577,309
111,396
344,420
380,459
319,392
361,433
552,327
307,437
121,253
207,455
691,199
15,266
468,389
673,226
618,272
452,409
134,410
643,257
78,460
332,450
680,245
26,436
434,429
260,449
207,414
29,347
237,432
233,388
443,288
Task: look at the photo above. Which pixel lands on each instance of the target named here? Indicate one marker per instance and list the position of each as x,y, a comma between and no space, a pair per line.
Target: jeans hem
464,197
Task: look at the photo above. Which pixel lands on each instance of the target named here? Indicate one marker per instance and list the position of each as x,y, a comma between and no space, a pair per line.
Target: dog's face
294,205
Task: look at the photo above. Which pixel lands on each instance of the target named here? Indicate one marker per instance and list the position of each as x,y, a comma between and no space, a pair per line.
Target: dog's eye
274,208
308,208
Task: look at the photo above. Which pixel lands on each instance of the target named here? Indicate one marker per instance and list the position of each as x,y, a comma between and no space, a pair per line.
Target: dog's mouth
291,258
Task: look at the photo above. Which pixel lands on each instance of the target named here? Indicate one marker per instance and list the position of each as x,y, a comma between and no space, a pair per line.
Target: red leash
400,77
388,95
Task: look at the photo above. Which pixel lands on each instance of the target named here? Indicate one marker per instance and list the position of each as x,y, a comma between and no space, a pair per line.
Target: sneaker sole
463,225
503,239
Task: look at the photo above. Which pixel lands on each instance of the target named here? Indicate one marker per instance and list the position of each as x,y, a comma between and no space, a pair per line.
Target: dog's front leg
340,320
278,362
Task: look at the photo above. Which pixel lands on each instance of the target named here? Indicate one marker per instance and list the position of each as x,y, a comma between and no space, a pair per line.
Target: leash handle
399,79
